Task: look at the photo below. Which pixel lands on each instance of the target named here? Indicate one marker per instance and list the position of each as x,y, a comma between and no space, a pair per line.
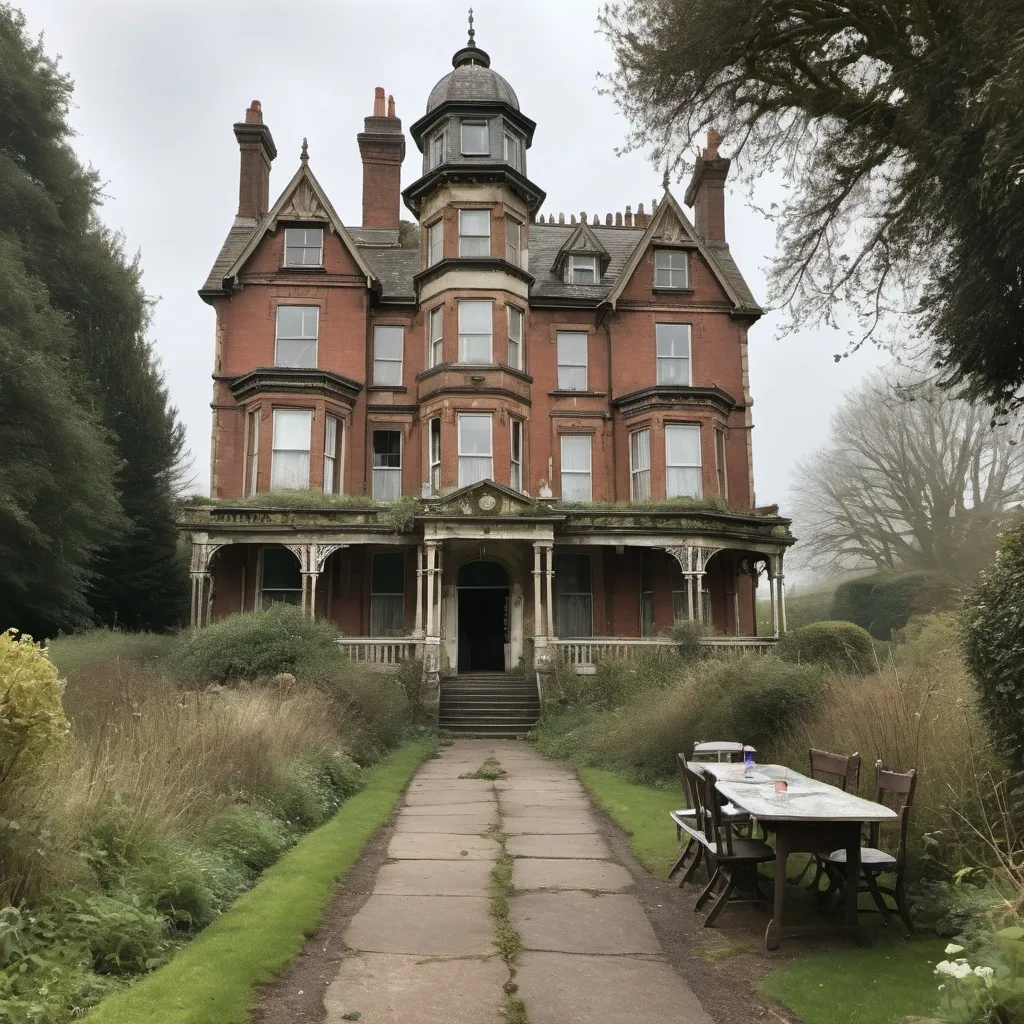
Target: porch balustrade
385,652
590,651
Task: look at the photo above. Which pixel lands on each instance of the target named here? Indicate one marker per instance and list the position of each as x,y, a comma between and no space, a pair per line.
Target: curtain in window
682,460
475,461
475,331
640,464
576,478
387,594
574,615
290,465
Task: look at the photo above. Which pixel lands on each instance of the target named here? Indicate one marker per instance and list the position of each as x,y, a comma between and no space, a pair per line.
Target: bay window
576,466
435,336
332,461
515,337
682,461
475,318
475,453
387,465
289,469
640,465
474,233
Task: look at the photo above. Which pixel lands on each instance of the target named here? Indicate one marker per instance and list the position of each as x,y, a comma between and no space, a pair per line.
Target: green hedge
883,602
843,646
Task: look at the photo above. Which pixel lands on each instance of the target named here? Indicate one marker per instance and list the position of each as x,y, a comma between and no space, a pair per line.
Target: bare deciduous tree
911,478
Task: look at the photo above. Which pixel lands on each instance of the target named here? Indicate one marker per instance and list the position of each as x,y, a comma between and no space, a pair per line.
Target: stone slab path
422,950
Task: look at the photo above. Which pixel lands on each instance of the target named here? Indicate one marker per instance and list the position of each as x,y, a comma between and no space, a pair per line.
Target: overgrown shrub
122,937
248,836
614,681
843,646
993,646
687,635
32,722
254,645
883,602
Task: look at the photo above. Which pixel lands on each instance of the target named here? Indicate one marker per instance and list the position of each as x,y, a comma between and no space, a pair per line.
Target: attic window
304,247
474,139
582,270
435,151
671,269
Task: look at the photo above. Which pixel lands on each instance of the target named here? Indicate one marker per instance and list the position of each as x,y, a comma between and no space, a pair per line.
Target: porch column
431,553
698,591
550,548
418,630
773,596
199,612
309,593
782,595
538,624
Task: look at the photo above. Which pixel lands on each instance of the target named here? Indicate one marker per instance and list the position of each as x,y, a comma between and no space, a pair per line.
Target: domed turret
473,126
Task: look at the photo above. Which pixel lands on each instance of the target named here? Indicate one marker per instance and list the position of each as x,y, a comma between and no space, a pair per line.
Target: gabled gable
485,498
581,242
671,226
303,199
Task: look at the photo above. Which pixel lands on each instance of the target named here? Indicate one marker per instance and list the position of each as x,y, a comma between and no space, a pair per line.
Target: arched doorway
483,589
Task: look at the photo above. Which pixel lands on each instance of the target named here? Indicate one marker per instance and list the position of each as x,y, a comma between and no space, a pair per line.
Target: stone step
485,705
487,728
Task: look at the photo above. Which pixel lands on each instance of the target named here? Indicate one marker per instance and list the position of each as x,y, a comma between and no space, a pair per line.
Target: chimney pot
618,219
572,218
629,216
561,218
391,105
254,113
608,220
378,101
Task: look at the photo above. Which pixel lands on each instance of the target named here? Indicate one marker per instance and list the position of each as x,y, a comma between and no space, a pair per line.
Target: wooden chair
735,858
841,771
886,853
689,821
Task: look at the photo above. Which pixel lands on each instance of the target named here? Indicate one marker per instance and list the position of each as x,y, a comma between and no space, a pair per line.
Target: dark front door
483,617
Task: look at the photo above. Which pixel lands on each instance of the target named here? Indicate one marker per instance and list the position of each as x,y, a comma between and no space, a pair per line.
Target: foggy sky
158,86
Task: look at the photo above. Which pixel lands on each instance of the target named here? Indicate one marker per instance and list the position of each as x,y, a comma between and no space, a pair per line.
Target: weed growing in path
491,769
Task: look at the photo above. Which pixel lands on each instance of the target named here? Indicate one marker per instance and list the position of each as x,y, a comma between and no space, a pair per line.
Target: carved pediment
672,231
302,204
484,499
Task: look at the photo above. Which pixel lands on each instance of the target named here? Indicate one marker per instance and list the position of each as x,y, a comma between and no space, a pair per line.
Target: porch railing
589,651
386,652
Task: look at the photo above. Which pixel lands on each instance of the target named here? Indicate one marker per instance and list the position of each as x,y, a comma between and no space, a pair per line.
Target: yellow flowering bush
32,720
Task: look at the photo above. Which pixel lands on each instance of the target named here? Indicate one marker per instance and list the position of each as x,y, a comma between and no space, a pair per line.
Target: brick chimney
706,191
257,151
382,147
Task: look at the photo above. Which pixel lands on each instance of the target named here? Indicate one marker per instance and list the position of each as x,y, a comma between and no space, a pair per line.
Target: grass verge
642,813
881,985
212,980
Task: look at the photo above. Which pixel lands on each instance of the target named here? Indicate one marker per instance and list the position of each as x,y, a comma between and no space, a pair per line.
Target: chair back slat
716,832
840,770
896,791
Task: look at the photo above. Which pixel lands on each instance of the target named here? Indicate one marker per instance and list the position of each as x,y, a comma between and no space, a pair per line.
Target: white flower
944,967
954,948
985,973
961,970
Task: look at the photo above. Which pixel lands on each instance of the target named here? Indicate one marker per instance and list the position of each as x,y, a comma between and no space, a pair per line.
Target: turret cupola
473,130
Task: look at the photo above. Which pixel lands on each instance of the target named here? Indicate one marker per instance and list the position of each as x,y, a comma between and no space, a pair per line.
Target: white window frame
513,251
332,454
294,244
515,442
468,241
515,336
513,148
662,340
565,379
252,451
473,123
434,454
467,477
466,339
435,242
575,263
387,369
436,147
303,339
276,470
383,475
640,464
573,476
671,490
668,276
435,336
721,462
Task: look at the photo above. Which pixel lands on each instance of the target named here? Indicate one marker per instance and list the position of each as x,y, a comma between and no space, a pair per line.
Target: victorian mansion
521,437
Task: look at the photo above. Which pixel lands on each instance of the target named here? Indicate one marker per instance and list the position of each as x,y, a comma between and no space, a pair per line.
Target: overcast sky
158,86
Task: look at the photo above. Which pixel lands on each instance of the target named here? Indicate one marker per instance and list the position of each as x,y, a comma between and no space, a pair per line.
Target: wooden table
810,817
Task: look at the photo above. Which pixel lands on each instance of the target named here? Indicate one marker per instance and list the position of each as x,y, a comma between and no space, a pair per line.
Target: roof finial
472,33
664,179
304,155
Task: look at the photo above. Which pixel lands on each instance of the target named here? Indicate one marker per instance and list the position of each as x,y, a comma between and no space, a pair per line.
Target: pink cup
781,785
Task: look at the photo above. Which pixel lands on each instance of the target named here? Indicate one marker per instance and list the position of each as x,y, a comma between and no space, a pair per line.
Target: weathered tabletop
811,817
805,799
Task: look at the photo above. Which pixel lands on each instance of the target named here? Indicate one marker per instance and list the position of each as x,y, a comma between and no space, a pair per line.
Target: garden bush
843,646
993,646
248,836
32,722
687,636
254,645
883,602
122,937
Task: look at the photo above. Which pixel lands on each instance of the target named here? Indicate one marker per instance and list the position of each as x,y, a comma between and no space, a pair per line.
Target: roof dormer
582,258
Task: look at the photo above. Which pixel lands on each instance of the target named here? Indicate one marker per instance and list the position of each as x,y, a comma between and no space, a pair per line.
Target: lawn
212,980
881,985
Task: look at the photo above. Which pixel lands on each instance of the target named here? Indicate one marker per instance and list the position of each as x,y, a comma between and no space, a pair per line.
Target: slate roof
546,240
395,269
239,234
723,257
472,83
